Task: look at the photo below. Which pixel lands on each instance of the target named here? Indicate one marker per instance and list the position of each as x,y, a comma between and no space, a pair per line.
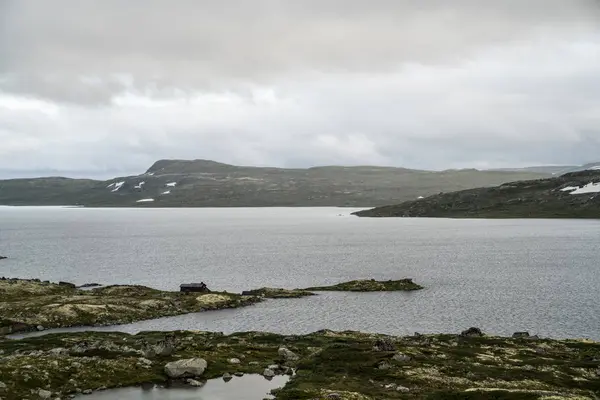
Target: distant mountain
572,195
205,183
552,169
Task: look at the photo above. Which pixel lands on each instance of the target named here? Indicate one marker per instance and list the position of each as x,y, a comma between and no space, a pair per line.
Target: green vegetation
27,304
353,365
203,183
370,285
542,198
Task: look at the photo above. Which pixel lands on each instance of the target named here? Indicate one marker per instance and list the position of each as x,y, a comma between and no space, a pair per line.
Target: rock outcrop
189,368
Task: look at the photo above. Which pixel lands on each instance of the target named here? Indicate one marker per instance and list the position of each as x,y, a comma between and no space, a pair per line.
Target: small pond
248,387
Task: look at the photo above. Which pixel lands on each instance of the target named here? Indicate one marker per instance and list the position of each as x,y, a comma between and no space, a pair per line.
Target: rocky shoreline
324,364
31,304
27,305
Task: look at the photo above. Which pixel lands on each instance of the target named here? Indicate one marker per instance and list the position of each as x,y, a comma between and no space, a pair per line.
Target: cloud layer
110,86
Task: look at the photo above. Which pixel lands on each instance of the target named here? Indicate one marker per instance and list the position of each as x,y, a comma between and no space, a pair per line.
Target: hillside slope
203,183
573,195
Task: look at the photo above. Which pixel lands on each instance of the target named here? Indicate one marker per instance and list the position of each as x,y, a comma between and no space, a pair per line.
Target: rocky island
324,364
370,285
572,195
33,304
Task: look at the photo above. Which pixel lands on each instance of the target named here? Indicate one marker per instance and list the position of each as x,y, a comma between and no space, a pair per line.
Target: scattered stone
334,396
163,348
472,332
268,373
401,357
227,377
402,389
274,367
195,383
44,394
2,385
390,386
40,328
384,344
186,368
384,365
253,363
144,362
234,361
287,354
87,391
238,374
520,335
59,351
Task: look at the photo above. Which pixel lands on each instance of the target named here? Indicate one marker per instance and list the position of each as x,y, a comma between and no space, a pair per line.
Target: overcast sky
107,87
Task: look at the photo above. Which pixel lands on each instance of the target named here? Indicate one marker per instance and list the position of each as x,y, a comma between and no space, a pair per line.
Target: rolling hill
204,183
572,195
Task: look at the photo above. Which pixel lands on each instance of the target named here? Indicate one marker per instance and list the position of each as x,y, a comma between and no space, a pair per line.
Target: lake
500,275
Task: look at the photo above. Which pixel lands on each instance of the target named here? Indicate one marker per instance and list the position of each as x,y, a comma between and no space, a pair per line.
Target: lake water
500,275
248,387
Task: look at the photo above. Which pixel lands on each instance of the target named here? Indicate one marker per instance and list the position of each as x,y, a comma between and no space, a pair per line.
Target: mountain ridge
207,183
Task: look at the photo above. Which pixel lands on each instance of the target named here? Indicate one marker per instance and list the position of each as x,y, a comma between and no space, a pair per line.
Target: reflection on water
248,387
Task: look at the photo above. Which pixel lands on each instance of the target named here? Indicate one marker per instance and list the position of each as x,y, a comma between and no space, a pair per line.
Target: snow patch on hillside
167,192
139,185
116,185
171,184
589,188
145,201
569,188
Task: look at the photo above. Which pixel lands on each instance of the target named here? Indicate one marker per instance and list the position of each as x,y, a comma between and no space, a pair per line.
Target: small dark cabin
194,288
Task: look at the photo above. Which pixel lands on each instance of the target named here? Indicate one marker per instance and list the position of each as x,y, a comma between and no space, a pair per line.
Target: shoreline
29,305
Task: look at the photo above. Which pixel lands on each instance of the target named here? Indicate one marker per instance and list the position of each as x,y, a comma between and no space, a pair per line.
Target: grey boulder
191,367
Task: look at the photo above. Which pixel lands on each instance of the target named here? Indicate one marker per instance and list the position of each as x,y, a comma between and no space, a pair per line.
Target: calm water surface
248,387
501,275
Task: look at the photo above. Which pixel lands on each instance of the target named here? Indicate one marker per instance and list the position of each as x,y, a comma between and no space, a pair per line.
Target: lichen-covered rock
193,367
401,357
384,344
44,394
287,354
195,383
268,373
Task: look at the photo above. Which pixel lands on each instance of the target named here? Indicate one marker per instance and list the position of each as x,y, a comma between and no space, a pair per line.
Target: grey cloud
110,86
212,45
